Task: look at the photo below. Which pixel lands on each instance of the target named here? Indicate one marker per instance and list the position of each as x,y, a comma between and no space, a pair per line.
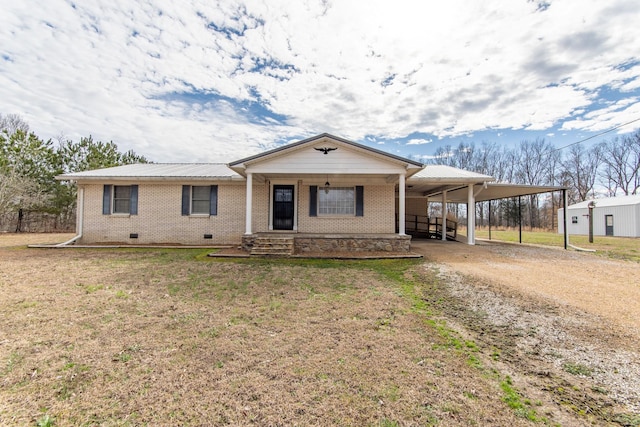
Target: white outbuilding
613,216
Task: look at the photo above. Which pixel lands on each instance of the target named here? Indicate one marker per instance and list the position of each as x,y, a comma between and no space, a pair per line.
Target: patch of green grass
45,421
92,288
122,294
599,389
391,393
577,369
628,420
173,289
626,248
470,395
127,354
392,268
210,333
123,357
514,400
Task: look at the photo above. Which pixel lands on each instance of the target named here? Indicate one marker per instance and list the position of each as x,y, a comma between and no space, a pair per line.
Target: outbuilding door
608,225
283,207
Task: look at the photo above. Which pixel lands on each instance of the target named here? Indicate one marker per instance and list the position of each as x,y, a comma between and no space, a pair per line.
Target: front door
283,208
608,223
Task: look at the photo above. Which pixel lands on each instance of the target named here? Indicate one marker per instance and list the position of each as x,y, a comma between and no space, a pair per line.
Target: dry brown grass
167,337
171,337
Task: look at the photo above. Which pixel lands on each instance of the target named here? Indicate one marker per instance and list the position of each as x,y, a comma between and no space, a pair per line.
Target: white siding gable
344,160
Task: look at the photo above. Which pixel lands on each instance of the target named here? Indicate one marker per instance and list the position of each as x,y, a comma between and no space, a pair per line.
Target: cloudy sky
215,81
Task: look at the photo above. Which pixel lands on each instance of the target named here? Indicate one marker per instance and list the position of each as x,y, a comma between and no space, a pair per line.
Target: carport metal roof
431,181
492,191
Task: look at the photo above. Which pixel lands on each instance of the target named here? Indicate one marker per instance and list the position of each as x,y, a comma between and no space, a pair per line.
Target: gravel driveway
566,324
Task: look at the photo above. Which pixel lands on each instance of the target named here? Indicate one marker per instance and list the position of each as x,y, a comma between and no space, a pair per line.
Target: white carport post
249,205
471,216
401,204
444,215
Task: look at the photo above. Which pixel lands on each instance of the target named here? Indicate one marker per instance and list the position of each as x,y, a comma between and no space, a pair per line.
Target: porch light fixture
326,186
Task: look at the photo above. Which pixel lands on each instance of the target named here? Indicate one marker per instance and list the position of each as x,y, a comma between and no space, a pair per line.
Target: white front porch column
471,216
249,204
444,215
401,204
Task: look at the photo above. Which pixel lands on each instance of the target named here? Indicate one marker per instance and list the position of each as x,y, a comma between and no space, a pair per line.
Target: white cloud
353,68
419,141
609,116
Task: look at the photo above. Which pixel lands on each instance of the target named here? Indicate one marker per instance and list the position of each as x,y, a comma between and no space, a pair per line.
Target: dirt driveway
609,289
561,320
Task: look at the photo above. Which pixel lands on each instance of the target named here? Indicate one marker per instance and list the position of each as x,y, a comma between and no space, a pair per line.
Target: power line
596,135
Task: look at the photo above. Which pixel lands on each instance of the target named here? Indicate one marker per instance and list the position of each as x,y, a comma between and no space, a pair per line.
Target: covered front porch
337,193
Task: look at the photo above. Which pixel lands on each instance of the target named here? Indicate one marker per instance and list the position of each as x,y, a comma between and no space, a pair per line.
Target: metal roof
444,172
157,171
428,182
495,191
609,201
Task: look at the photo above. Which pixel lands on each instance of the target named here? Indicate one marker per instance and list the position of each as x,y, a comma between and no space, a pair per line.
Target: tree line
30,197
32,200
606,169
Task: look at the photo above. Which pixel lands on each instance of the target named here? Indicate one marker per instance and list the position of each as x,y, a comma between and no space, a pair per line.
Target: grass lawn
172,337
614,247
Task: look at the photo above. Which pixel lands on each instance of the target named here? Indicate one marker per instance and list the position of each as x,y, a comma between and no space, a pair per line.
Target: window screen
336,201
200,199
122,199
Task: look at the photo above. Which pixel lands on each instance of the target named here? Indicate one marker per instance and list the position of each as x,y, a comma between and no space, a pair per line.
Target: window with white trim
336,201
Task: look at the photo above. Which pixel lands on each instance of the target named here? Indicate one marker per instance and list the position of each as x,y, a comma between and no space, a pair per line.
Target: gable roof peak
321,136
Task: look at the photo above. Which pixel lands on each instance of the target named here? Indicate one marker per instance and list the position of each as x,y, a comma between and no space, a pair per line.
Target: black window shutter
313,200
359,200
186,198
213,208
106,200
133,206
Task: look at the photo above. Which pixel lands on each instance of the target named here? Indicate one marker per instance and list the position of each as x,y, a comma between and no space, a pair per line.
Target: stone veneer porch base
316,243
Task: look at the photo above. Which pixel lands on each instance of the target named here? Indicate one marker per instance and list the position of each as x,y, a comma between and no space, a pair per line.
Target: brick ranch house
321,193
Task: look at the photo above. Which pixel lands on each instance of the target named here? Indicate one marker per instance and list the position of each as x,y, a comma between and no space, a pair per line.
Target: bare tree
18,194
532,168
444,156
580,171
493,160
11,123
621,159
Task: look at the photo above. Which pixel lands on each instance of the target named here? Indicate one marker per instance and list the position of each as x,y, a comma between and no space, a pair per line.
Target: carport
445,184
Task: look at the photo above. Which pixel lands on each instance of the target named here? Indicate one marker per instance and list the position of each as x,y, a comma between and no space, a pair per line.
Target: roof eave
147,178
